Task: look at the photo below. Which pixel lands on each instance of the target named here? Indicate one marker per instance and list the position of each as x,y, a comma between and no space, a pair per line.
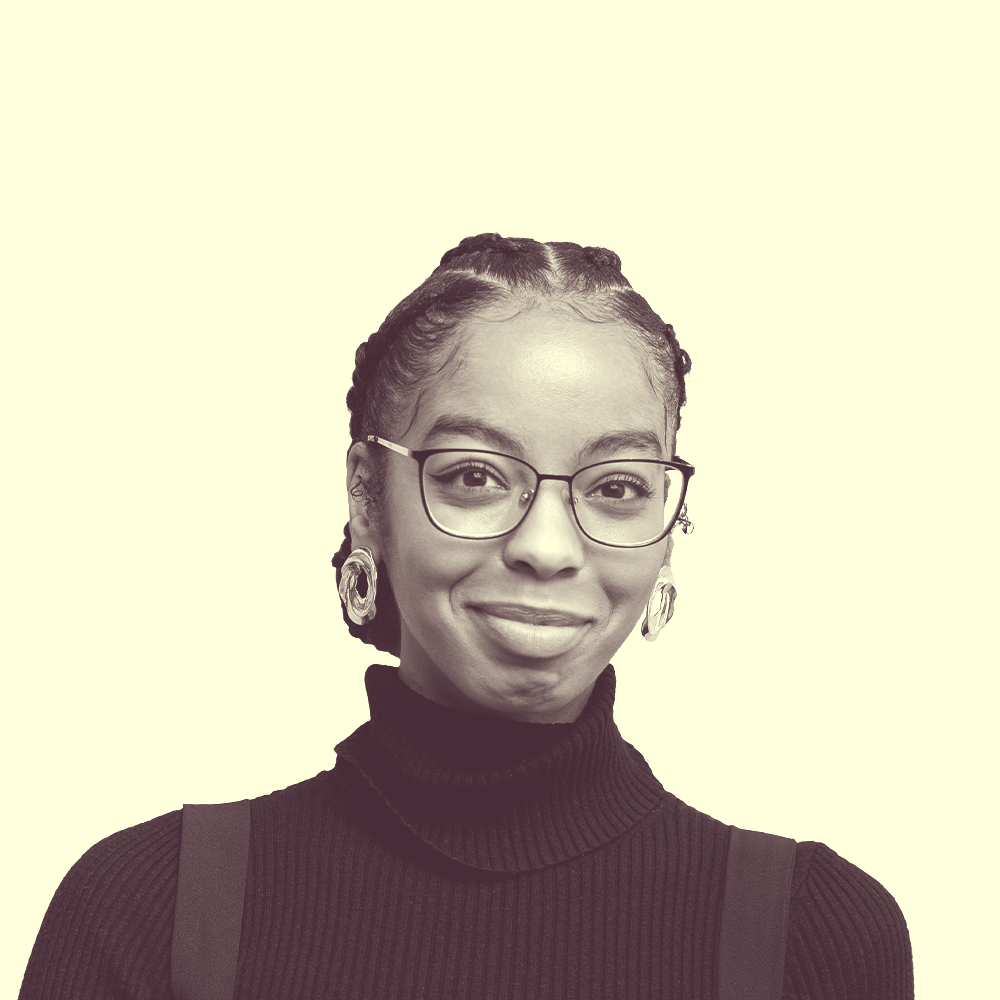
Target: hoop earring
659,609
360,610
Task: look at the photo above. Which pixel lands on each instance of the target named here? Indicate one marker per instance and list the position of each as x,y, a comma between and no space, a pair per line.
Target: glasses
472,493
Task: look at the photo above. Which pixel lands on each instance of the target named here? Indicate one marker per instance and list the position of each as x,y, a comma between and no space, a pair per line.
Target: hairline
561,301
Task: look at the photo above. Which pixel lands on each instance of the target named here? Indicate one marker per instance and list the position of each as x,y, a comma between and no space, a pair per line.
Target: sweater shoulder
288,797
137,863
847,936
107,930
155,841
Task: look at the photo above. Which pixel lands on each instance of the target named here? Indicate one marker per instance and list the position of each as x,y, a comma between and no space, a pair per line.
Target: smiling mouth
531,616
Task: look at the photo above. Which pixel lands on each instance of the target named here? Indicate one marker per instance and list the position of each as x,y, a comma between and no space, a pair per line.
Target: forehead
549,378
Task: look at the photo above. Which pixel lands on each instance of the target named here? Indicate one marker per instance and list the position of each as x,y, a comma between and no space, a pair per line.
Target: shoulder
297,796
846,934
113,909
141,862
107,931
139,858
157,840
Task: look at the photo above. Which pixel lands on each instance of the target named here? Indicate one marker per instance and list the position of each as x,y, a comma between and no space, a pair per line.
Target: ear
359,482
666,574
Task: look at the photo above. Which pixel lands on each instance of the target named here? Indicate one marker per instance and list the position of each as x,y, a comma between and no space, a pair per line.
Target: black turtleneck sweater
456,855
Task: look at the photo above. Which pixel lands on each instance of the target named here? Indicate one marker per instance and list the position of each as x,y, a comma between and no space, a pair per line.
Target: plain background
207,206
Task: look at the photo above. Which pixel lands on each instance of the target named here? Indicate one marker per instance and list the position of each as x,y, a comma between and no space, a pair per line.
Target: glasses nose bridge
539,478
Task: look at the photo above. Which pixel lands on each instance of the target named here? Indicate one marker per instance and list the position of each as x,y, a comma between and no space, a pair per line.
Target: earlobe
665,571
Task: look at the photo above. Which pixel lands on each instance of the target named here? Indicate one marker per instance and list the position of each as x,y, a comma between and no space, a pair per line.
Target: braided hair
414,345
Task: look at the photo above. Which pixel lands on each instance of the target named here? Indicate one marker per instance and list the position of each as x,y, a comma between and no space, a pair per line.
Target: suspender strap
755,916
215,843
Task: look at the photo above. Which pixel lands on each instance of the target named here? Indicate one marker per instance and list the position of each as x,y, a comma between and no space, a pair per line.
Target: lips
532,615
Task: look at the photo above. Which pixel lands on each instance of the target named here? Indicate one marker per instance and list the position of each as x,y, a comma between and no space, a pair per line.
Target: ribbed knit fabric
451,855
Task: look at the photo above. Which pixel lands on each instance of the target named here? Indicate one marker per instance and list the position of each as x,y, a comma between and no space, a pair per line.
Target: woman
512,485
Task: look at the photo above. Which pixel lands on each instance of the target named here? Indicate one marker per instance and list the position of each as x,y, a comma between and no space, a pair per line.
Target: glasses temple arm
398,448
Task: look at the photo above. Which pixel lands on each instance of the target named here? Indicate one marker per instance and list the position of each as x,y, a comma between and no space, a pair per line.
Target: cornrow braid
513,262
413,346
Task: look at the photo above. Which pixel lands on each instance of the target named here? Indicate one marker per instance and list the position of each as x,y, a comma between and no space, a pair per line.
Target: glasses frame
420,457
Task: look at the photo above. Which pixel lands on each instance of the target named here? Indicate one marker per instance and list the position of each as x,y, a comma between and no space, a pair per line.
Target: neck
492,793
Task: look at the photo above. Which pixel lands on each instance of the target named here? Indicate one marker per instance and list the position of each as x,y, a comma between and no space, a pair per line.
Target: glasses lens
627,503
476,494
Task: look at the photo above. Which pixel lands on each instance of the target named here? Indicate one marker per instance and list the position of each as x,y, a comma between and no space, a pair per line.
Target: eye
475,477
470,475
614,491
620,487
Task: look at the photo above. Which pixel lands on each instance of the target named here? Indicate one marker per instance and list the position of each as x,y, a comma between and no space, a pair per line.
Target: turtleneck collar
497,795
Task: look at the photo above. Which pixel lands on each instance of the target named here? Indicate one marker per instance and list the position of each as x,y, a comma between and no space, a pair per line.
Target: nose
548,542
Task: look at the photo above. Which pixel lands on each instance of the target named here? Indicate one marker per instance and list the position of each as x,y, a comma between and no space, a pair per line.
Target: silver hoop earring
659,609
360,610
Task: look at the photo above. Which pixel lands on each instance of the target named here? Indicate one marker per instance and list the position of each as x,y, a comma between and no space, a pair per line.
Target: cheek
424,563
432,567
629,582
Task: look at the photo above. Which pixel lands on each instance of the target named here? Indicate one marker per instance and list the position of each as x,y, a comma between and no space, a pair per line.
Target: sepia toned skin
522,625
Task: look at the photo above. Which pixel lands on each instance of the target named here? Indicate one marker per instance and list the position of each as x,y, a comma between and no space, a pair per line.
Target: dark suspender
215,844
755,916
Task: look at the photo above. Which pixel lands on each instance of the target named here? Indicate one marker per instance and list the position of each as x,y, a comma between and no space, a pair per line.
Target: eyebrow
636,441
478,429
614,441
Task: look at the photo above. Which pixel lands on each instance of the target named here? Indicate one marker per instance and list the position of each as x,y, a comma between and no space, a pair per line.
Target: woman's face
520,626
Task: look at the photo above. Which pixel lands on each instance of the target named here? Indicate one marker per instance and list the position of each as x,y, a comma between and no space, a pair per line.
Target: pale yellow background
206,206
